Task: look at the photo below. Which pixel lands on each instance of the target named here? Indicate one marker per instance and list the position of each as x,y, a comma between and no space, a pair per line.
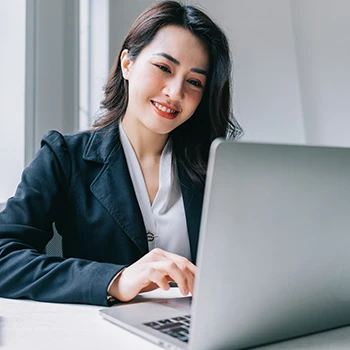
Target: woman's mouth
165,111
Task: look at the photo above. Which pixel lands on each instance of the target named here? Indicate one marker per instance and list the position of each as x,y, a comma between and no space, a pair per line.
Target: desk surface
34,325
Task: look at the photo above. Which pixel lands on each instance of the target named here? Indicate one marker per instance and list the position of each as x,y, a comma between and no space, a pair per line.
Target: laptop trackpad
183,304
146,310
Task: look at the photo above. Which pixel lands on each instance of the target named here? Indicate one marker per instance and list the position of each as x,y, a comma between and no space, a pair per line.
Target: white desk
35,325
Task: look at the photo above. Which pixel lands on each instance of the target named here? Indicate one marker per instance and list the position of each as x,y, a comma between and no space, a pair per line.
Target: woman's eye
163,68
195,83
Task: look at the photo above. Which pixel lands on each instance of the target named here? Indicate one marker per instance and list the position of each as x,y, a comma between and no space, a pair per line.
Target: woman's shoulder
92,144
56,140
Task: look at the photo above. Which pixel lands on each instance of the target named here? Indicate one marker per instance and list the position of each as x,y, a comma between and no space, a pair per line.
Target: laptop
273,255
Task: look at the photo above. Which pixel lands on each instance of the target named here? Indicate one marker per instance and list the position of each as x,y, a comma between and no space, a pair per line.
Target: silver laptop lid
274,256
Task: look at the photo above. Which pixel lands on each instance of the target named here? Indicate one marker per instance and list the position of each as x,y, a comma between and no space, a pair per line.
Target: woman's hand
155,270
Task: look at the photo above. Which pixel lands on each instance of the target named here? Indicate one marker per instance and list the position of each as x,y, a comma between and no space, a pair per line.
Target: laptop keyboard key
177,327
166,321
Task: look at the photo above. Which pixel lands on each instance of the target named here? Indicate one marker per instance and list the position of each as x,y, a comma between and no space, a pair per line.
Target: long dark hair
213,117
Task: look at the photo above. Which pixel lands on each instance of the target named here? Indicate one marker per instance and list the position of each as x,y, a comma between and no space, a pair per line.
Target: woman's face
166,81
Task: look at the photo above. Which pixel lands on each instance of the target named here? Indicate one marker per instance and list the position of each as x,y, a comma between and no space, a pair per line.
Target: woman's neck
146,144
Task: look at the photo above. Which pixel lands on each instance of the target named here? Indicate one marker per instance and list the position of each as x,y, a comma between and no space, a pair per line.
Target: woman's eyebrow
175,61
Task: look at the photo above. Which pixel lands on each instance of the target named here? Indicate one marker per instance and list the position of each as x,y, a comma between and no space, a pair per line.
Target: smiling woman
212,116
139,173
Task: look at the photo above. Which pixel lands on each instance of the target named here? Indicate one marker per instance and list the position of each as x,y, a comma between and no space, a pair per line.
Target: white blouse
165,219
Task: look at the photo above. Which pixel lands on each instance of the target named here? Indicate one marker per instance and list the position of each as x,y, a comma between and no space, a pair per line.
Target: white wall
121,18
12,94
266,88
323,48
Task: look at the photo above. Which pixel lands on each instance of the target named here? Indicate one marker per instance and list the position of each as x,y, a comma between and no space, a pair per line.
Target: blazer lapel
193,201
114,189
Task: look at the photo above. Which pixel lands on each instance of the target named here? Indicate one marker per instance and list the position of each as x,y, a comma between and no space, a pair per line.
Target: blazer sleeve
26,228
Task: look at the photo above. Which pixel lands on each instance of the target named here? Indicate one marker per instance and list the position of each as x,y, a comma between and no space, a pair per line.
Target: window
12,94
93,62
36,36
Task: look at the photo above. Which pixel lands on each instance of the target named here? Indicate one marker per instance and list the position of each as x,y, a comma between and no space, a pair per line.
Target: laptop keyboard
177,327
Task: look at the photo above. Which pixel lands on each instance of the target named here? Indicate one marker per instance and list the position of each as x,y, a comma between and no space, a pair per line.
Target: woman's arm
26,228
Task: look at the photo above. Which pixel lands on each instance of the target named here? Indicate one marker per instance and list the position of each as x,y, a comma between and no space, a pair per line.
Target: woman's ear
125,64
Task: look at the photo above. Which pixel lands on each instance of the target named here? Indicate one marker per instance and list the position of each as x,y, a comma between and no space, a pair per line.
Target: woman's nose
174,89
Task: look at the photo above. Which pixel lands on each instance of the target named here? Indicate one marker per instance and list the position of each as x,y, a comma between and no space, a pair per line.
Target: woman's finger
183,277
180,260
159,278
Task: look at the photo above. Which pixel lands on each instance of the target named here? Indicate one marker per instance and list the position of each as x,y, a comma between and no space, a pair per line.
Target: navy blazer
81,183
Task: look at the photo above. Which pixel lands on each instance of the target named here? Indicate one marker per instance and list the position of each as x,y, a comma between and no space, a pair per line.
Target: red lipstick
165,111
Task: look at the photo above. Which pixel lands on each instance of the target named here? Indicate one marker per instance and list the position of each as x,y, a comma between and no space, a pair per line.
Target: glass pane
94,49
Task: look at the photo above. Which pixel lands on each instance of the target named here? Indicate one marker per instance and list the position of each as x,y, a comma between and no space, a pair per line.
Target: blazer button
151,236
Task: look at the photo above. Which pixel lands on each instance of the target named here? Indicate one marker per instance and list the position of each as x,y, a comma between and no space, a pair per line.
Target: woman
126,196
